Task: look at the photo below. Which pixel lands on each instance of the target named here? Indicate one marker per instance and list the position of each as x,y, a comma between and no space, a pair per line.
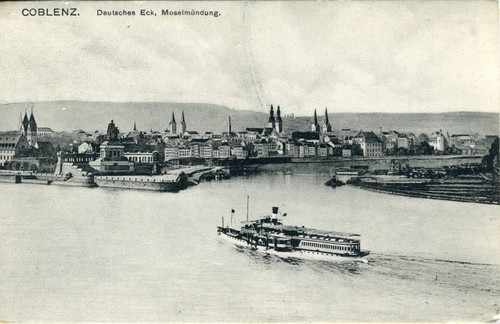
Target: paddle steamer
270,235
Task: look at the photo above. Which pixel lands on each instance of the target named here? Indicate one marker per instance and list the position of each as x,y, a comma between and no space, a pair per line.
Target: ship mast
248,197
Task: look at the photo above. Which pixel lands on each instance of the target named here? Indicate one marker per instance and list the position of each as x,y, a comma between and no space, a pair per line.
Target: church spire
135,128
183,123
25,122
315,125
32,122
173,125
327,128
279,121
271,121
32,130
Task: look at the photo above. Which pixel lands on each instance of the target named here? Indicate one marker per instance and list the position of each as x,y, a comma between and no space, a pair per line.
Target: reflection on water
71,254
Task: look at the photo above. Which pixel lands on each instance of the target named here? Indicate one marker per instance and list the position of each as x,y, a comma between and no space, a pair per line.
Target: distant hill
91,116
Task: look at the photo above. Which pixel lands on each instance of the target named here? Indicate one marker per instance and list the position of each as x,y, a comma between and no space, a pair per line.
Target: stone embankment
174,180
474,190
330,164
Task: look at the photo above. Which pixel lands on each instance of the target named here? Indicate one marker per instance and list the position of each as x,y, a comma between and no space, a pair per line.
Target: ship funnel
275,212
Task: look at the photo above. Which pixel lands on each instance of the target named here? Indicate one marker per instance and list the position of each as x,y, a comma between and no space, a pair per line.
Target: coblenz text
49,12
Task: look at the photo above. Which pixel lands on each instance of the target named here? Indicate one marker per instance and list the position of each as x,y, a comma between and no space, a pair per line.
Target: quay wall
330,165
139,183
10,178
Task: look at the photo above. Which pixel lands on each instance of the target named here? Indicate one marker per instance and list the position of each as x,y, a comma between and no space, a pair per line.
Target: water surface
70,254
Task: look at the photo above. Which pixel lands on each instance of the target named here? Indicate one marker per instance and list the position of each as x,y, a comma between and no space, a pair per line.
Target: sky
360,56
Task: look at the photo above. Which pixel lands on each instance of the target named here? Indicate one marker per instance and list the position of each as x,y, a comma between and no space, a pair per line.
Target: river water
70,254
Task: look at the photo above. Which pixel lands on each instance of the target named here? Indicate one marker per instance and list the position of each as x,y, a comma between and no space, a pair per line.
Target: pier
175,180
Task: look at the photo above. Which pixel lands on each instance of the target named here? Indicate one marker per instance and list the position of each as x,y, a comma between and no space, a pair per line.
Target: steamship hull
295,253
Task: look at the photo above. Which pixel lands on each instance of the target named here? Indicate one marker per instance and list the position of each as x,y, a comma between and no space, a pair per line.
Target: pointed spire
173,125
25,121
135,128
32,122
279,121
327,128
315,125
183,124
271,118
229,126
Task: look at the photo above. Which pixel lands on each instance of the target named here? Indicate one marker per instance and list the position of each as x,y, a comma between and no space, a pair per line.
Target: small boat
347,171
269,234
334,182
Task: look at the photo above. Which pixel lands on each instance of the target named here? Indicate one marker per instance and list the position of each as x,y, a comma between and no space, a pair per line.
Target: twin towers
277,123
172,126
325,128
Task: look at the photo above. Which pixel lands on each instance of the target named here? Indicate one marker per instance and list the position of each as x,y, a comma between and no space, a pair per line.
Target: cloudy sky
363,56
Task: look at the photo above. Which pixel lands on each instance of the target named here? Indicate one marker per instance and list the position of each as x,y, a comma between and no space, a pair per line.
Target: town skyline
93,115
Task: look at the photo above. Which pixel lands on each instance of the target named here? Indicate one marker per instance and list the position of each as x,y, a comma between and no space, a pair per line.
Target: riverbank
330,164
473,190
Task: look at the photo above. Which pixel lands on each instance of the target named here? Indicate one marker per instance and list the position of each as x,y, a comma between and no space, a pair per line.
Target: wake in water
466,276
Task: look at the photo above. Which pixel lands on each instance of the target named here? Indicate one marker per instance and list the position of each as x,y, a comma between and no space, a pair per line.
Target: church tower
183,124
229,126
32,130
327,128
315,125
172,126
24,124
271,122
279,121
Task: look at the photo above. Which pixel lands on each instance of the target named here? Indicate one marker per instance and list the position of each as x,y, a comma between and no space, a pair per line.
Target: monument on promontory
112,158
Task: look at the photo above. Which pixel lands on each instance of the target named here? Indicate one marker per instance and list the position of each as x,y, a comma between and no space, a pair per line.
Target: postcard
249,161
